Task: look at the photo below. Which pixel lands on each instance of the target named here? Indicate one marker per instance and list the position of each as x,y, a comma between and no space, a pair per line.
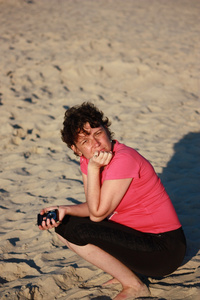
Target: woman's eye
98,132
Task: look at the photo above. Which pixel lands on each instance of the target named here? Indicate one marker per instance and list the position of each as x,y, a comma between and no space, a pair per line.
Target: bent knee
69,245
63,240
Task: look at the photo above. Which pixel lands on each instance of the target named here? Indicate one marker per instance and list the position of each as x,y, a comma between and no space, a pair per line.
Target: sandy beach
138,61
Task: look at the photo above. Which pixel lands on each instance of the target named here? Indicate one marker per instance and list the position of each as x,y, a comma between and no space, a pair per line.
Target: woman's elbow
96,219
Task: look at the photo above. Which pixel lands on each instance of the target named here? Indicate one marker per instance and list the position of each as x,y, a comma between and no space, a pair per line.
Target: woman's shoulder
123,164
123,149
124,153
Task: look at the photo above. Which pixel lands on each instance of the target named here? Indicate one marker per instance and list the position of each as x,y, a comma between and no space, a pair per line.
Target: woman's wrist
93,166
63,207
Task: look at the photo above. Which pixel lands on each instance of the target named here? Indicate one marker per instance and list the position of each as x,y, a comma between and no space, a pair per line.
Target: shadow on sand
181,178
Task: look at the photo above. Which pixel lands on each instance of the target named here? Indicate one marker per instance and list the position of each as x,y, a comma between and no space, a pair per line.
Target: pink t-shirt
146,206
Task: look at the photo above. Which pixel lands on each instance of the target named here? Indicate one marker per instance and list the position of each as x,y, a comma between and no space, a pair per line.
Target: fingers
48,224
96,154
45,210
102,158
107,156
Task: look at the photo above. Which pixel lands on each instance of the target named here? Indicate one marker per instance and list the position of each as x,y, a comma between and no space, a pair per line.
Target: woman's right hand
49,224
100,159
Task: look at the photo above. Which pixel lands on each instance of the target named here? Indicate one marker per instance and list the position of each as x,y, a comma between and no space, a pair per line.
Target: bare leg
111,281
132,285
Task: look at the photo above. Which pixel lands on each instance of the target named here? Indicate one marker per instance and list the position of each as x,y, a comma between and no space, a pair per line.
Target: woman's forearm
98,207
93,190
79,210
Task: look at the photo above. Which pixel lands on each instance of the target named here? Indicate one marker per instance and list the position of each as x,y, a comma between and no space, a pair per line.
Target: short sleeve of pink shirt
83,164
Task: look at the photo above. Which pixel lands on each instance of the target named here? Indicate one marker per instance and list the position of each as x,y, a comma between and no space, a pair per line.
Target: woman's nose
96,142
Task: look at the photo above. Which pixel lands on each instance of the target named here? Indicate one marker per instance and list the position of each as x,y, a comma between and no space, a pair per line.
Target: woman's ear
76,151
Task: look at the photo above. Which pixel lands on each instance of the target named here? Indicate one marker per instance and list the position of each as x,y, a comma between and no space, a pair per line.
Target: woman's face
96,139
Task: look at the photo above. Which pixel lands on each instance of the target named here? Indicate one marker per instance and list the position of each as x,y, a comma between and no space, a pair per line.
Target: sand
136,60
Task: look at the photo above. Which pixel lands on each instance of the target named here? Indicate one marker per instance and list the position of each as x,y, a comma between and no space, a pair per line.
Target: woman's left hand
49,224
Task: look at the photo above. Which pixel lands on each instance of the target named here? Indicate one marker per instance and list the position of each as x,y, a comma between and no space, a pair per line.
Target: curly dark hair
77,116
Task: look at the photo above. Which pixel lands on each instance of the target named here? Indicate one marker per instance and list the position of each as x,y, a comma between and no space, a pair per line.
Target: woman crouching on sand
127,225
